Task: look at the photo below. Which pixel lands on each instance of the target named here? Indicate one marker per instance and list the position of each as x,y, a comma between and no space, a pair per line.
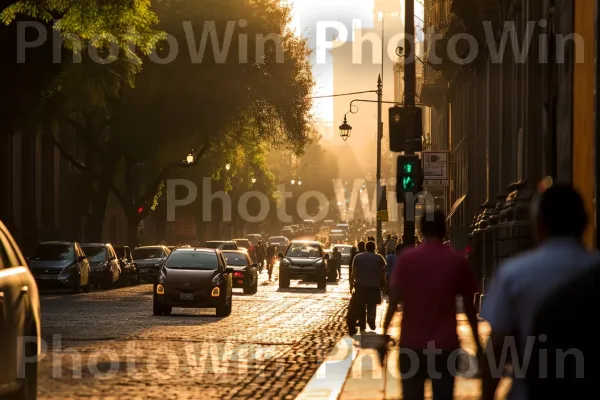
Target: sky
306,14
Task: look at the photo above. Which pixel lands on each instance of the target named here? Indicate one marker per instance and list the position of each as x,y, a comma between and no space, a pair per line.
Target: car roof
196,249
233,240
307,242
235,251
94,244
56,242
151,247
219,241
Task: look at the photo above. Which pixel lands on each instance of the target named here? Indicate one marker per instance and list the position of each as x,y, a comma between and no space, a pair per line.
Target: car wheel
248,287
322,283
28,384
167,310
284,279
156,308
255,286
224,309
77,288
86,288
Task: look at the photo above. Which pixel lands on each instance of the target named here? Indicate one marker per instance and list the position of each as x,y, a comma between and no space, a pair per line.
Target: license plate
144,270
46,277
186,296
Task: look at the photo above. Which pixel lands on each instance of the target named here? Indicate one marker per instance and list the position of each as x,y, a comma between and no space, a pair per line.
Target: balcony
437,15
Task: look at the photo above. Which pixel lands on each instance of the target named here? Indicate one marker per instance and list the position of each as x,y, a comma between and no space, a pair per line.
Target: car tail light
238,274
468,250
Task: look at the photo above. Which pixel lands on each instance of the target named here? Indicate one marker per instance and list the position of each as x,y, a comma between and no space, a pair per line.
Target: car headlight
69,270
102,267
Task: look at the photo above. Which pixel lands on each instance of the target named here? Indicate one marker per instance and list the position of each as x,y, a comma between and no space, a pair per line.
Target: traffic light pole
379,138
410,86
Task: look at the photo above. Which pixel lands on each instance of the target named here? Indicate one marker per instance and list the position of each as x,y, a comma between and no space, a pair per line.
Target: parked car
221,245
303,260
245,271
129,270
194,278
19,318
61,265
103,263
149,260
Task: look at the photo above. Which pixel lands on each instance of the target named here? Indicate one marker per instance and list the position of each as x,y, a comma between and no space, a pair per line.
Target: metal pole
410,84
378,174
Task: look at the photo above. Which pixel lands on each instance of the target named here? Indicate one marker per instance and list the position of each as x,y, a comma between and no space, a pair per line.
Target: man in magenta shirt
426,281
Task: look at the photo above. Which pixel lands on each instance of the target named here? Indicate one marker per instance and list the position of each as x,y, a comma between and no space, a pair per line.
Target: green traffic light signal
408,167
408,183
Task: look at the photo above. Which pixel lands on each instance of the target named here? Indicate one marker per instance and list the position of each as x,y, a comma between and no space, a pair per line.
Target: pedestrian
391,262
427,281
385,245
523,282
353,253
337,257
568,321
271,254
368,279
260,254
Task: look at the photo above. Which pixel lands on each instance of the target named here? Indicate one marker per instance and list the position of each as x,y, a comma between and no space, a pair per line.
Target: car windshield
277,239
54,252
145,253
192,260
213,245
303,250
235,259
95,253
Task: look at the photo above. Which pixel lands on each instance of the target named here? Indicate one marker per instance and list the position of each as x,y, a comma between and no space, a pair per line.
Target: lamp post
346,130
253,180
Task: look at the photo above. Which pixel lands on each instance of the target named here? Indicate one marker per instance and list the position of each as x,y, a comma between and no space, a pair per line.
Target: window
236,259
95,253
192,260
307,250
147,253
55,252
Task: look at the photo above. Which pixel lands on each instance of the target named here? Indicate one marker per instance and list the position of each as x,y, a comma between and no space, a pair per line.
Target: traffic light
409,176
406,129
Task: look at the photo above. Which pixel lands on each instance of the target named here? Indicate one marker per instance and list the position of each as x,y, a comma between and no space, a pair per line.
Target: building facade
510,116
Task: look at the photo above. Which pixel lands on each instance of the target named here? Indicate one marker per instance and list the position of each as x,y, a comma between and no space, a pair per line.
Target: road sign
383,216
435,168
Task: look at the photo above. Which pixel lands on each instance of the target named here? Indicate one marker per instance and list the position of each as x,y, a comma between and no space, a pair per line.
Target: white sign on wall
435,168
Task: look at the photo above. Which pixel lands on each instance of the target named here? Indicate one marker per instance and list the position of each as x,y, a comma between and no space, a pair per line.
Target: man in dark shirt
562,364
426,281
368,278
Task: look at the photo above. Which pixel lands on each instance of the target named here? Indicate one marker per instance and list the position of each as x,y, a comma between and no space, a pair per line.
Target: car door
13,312
252,268
114,262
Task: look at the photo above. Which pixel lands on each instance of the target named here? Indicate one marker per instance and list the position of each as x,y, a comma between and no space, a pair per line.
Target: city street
109,345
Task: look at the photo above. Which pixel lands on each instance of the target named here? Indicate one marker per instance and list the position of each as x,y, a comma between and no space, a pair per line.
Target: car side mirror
229,270
280,255
81,258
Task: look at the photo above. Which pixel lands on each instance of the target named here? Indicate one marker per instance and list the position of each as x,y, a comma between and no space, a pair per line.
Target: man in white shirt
523,283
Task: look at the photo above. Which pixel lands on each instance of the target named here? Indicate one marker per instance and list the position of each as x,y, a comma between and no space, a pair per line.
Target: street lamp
299,182
253,181
345,130
190,158
227,167
293,181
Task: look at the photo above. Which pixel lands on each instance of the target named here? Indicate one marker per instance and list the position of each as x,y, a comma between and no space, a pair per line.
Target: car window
192,260
55,252
303,250
235,259
95,253
148,252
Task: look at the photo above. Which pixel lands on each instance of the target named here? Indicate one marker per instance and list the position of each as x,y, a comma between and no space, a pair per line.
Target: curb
329,379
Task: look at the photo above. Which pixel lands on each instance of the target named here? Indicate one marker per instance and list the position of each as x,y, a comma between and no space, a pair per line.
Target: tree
218,105
67,98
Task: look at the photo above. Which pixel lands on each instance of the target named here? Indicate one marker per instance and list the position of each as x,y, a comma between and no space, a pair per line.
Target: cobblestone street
109,345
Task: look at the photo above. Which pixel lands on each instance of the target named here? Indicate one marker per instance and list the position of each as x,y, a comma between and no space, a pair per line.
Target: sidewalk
353,373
